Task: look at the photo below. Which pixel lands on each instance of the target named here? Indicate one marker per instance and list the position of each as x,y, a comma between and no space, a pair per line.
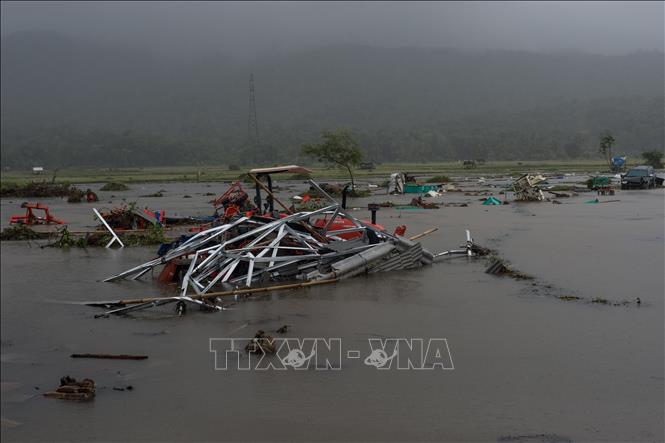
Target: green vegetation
154,235
18,232
67,240
605,147
36,189
653,158
113,186
220,173
339,148
75,196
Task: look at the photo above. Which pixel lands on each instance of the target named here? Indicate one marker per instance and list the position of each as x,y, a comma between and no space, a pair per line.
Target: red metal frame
31,219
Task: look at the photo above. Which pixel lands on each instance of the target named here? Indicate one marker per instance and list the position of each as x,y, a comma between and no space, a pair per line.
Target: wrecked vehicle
642,177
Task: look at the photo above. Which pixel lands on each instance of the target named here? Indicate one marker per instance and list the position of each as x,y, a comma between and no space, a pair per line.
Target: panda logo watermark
329,354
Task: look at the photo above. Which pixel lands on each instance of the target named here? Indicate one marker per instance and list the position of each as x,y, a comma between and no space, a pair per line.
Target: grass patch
217,173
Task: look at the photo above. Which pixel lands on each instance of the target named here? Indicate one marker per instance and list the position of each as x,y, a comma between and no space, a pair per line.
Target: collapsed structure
526,188
254,250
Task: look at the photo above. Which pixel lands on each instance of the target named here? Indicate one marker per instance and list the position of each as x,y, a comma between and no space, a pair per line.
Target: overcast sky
248,29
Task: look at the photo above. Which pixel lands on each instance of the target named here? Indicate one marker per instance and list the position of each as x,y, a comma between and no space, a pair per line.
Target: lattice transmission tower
252,124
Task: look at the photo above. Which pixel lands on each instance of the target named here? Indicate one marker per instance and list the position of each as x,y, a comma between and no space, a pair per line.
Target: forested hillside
68,103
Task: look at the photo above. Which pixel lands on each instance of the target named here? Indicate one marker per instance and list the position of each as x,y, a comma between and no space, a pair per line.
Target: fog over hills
72,101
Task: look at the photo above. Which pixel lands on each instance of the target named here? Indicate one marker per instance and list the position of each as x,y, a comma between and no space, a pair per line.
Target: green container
600,182
411,188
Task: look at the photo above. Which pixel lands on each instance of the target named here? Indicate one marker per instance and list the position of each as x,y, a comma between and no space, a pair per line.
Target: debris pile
234,201
526,188
419,203
261,344
251,251
498,267
128,217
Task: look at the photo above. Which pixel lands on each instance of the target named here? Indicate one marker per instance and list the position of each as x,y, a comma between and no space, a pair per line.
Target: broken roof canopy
277,169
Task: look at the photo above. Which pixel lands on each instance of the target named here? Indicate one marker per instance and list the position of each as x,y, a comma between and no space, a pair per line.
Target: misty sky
244,29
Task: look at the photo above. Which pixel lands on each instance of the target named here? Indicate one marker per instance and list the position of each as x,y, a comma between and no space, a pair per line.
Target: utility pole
252,124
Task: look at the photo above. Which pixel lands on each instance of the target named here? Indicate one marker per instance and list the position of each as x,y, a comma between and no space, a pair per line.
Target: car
639,177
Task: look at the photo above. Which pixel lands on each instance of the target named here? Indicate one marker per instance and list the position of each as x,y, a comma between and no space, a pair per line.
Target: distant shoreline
221,173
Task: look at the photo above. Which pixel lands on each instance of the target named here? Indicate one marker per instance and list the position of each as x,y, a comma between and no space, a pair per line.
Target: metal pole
115,237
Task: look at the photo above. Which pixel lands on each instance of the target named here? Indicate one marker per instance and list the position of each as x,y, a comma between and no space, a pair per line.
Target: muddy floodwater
528,366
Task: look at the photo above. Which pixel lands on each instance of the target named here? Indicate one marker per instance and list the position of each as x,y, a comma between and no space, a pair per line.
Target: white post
115,237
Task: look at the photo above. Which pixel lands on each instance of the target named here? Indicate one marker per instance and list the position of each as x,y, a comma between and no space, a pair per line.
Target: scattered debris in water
261,344
569,297
251,250
526,188
70,389
111,356
535,438
499,267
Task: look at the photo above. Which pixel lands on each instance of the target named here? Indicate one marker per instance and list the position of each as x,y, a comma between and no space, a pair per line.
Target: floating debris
491,201
70,389
498,267
535,438
526,188
111,356
419,203
261,344
569,297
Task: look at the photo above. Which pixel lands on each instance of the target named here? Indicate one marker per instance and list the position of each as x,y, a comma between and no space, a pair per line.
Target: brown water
526,363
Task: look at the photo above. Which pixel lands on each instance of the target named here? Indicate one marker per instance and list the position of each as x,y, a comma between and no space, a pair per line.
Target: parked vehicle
639,177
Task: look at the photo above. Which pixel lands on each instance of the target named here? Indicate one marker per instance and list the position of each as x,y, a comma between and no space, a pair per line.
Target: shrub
653,158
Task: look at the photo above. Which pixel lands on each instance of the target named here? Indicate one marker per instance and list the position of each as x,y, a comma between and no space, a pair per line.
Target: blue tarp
618,162
491,201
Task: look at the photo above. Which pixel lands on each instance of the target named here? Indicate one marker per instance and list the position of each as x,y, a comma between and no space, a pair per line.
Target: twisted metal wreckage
248,252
